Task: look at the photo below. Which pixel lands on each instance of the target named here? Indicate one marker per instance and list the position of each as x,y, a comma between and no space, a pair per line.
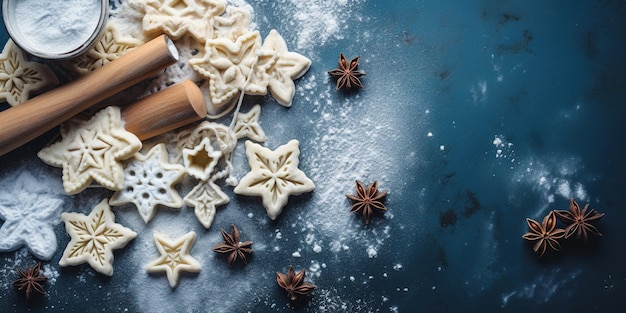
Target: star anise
30,280
367,200
233,247
579,222
347,74
294,283
546,234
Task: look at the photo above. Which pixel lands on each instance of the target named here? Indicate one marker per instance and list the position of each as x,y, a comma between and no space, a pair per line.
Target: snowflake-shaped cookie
232,24
149,181
287,67
30,213
274,175
110,47
178,17
20,77
93,238
174,256
247,125
204,198
92,150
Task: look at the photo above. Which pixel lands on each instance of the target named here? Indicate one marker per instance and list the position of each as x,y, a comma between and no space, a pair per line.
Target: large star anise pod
347,74
579,221
545,234
367,200
233,247
30,280
294,283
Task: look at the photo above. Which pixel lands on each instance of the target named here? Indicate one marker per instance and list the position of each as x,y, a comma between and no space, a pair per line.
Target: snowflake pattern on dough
149,181
30,212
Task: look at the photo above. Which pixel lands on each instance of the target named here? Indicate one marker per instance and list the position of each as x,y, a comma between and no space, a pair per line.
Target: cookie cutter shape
93,238
204,198
30,213
149,181
201,161
174,257
20,77
92,150
274,176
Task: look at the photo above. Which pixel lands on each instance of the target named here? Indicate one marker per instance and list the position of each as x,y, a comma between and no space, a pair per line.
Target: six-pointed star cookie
94,237
149,181
174,257
29,212
92,150
274,175
19,77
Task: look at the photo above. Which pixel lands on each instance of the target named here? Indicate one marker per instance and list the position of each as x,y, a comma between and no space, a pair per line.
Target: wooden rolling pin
168,109
24,122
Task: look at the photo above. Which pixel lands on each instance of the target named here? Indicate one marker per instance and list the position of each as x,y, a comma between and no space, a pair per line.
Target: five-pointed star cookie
30,213
93,238
204,198
19,77
92,150
288,66
174,256
274,175
247,125
149,181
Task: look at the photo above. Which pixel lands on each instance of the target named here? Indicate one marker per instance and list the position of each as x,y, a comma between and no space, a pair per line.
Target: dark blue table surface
475,115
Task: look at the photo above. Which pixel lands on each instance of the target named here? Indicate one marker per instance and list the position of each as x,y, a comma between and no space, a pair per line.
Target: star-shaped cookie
247,125
30,212
149,181
92,150
174,257
204,198
93,238
274,176
288,66
202,159
20,77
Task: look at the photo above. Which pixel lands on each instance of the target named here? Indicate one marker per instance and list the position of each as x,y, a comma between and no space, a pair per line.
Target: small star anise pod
579,221
367,200
545,234
233,247
294,283
347,74
30,280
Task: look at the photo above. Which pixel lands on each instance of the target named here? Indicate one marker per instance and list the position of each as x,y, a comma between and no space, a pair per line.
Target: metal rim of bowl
17,37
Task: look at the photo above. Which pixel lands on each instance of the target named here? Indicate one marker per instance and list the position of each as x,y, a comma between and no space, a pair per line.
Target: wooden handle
24,122
165,110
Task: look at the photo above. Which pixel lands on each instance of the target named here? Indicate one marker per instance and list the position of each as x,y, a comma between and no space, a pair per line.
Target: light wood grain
168,109
24,122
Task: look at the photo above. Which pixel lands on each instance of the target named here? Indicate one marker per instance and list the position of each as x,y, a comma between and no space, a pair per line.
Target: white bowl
55,30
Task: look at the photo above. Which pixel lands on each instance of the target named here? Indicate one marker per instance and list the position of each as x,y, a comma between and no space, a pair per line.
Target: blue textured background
549,77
